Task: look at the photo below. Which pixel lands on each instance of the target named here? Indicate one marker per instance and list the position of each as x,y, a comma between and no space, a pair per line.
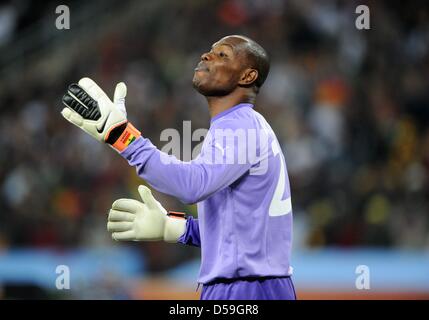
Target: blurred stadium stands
121,274
350,108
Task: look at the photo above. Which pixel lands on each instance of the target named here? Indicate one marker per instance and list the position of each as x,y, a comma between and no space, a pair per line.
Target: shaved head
256,56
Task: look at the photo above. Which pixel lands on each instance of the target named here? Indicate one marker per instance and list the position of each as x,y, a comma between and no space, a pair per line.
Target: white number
279,207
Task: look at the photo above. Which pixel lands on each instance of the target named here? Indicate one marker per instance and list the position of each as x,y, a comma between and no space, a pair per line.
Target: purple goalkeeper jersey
241,186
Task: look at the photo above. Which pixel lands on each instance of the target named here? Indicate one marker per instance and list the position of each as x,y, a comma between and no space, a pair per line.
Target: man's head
233,62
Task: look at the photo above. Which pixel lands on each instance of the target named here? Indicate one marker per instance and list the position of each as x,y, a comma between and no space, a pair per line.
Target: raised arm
90,109
192,181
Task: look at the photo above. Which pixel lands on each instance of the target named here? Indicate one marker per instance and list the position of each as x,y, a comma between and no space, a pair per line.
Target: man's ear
248,77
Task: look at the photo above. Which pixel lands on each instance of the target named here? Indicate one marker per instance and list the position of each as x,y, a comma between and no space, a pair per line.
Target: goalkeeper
239,180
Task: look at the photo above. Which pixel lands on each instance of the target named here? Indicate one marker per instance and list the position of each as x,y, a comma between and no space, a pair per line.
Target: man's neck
220,104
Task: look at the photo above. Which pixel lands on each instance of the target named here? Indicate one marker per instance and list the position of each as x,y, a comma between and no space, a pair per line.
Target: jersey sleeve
222,161
191,236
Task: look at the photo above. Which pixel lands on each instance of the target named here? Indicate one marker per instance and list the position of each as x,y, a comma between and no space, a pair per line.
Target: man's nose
205,56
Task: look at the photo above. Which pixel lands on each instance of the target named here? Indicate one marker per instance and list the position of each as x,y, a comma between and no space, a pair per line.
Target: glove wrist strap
129,134
176,215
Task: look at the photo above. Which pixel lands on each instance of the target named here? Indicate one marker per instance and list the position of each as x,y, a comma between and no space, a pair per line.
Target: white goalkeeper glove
132,220
89,108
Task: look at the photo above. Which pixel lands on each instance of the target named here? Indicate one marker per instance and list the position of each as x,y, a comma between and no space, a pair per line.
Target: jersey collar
224,113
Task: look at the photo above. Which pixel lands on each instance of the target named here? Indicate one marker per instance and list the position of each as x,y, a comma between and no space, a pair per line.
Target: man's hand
89,108
132,220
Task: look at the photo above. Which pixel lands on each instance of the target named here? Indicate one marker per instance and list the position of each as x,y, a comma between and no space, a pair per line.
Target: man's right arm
214,169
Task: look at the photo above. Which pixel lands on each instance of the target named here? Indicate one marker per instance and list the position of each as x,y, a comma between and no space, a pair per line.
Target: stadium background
350,109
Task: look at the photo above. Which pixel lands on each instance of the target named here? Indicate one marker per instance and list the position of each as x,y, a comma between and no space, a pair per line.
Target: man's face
219,71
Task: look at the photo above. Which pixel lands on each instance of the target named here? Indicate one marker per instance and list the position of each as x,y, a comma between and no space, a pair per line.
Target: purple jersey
241,186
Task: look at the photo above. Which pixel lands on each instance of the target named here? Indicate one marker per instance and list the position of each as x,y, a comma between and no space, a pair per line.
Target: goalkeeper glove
89,108
132,220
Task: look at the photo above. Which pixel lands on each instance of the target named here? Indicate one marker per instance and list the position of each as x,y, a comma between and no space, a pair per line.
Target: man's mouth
201,67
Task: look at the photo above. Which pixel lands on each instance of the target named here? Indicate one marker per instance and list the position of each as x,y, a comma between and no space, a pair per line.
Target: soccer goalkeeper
239,180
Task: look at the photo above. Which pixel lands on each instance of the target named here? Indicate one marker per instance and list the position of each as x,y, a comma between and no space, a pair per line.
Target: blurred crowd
350,108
